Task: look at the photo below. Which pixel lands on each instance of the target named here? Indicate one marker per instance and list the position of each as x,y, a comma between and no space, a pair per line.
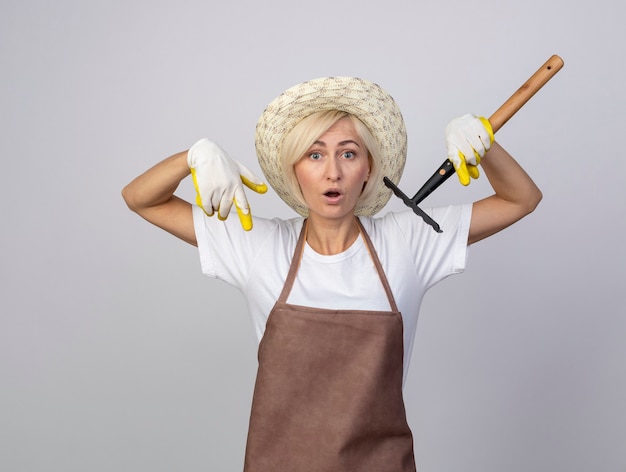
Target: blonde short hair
309,130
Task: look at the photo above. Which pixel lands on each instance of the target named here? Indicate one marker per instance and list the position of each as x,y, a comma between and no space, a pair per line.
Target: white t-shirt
413,257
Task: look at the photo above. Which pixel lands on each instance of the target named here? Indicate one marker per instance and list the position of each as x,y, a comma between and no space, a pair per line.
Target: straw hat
364,99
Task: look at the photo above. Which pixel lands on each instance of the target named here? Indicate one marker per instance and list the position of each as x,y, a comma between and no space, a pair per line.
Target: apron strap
297,257
378,265
295,263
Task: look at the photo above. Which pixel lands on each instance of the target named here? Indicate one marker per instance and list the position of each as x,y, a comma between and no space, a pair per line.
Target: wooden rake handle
525,92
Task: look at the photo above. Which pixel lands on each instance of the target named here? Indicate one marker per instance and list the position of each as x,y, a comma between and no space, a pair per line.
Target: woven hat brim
364,99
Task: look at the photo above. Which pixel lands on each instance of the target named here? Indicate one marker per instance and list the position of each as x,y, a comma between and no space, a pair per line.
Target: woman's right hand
219,180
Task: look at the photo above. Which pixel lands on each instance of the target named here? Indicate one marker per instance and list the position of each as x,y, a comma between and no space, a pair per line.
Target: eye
316,156
348,155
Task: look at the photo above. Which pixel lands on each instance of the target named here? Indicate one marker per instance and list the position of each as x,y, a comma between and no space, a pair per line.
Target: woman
334,295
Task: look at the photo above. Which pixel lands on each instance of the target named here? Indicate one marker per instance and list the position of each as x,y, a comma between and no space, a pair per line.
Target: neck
330,237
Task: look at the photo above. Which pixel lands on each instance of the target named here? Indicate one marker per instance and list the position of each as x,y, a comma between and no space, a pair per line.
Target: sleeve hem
462,248
204,248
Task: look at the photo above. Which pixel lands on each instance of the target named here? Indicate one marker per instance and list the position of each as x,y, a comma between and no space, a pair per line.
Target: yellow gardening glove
219,181
468,138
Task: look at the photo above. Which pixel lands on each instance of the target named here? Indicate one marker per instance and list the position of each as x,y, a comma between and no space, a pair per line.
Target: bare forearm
151,195
509,181
157,185
515,195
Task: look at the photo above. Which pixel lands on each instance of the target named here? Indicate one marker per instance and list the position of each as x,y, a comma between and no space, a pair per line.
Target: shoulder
232,254
408,226
213,230
406,244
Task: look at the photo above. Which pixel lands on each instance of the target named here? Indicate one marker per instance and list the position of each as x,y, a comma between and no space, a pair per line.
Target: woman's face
333,171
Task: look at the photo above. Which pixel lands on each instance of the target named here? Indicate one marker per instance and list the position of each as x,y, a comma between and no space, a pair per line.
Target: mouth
333,196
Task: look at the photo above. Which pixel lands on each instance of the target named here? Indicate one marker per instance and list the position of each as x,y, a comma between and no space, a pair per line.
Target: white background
116,354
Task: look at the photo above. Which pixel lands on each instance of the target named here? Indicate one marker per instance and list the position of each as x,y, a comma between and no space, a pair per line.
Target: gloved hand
219,181
468,138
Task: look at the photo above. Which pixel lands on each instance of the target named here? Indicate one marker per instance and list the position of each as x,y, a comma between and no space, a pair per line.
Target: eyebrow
341,143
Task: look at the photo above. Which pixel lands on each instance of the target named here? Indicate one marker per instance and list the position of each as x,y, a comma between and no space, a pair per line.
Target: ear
367,178
370,160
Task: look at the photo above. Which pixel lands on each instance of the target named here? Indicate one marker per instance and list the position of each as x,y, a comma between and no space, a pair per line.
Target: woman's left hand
468,138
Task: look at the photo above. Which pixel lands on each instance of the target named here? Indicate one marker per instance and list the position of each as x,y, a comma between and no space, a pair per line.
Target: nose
333,170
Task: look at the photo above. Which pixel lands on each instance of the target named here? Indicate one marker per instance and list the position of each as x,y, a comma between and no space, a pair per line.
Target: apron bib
328,392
